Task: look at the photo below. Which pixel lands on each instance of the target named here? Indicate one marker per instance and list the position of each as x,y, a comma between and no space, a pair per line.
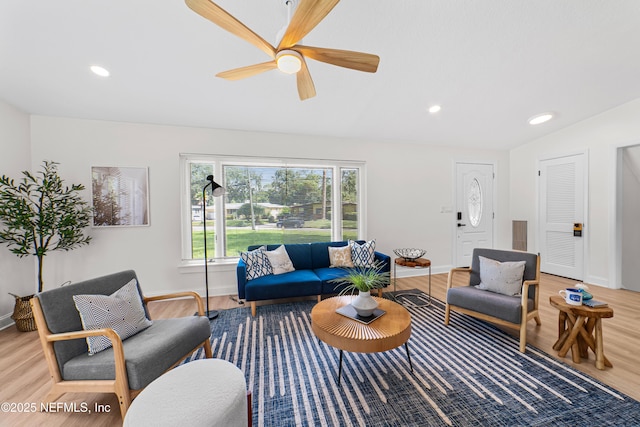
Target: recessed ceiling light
434,109
100,71
540,118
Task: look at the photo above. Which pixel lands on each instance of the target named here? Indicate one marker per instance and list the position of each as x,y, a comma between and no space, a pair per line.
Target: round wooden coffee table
389,331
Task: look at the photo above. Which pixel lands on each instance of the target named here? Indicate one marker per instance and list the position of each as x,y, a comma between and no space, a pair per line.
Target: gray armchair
505,310
129,365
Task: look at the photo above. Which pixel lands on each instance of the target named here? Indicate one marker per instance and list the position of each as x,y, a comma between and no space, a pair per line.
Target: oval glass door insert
474,203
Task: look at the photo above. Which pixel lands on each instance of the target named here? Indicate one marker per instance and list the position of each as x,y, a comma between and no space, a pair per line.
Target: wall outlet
446,209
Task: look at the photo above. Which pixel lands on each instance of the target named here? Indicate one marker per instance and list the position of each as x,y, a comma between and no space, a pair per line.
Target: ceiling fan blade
342,58
306,89
306,16
248,71
222,18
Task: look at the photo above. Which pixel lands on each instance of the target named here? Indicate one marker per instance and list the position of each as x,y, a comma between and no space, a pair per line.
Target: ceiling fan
288,56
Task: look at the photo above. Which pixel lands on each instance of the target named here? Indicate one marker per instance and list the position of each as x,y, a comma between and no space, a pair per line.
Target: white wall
630,243
600,136
406,187
16,275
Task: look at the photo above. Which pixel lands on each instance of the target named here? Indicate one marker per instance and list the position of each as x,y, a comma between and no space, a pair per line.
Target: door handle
461,225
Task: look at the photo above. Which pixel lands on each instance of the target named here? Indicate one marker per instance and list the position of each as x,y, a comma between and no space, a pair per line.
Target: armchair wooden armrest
107,332
525,294
174,295
116,343
456,270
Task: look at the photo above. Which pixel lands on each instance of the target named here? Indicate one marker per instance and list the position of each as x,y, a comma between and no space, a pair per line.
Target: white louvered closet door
562,205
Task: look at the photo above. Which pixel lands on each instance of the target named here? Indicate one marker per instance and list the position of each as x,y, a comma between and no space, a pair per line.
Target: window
350,193
268,201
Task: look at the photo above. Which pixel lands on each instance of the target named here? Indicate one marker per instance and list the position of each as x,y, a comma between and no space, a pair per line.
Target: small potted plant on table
363,279
38,215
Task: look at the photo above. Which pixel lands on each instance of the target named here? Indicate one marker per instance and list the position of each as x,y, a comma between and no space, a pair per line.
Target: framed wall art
120,196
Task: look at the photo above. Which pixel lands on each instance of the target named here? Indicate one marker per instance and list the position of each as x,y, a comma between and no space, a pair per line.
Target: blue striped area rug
465,374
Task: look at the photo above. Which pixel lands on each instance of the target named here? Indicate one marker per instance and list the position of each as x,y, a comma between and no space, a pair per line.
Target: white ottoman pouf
207,392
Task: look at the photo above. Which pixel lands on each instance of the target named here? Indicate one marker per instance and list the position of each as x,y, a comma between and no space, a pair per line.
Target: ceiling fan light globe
289,61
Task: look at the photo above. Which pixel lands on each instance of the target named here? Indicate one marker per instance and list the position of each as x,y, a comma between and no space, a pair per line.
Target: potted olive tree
38,215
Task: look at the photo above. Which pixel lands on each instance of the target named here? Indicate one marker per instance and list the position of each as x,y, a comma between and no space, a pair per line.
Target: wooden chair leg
207,349
523,337
446,314
124,399
253,308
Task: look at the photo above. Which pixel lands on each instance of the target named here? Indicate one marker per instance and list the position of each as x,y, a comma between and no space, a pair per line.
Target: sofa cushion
501,277
279,260
299,253
121,311
327,274
363,255
320,252
148,354
497,305
292,284
257,263
340,257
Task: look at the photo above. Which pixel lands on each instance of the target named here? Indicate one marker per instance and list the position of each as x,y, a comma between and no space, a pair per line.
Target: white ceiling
491,65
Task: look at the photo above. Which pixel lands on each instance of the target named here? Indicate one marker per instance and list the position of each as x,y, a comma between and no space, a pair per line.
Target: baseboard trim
596,280
6,321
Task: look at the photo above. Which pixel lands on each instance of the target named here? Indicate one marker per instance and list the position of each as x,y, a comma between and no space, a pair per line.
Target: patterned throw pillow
121,311
340,256
258,264
363,255
279,260
501,277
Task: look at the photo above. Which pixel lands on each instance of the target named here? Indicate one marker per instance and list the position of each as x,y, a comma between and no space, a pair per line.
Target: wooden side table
391,330
580,329
417,263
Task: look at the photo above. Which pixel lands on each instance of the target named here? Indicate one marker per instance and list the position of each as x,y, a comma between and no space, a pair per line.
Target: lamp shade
216,189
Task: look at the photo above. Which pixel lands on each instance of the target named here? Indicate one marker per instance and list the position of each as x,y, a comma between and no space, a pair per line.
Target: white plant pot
364,304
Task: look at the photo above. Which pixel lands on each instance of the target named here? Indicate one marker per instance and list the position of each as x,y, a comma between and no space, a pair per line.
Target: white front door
474,210
562,202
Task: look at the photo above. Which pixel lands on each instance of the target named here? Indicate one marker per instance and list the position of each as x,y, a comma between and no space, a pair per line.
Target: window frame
219,161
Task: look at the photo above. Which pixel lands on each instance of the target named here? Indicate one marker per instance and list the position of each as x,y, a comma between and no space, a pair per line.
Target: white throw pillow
501,277
363,255
121,311
257,263
280,261
340,256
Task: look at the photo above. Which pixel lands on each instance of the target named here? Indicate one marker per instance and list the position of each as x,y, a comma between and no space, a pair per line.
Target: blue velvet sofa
311,276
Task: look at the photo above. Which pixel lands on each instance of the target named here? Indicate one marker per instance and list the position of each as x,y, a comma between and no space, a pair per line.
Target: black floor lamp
216,191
